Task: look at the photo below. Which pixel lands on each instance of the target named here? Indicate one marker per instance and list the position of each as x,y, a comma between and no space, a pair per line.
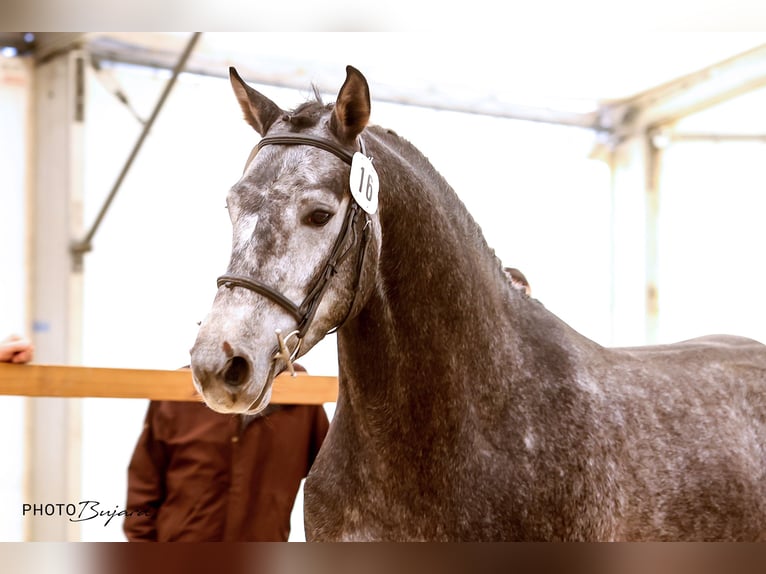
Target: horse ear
260,112
352,108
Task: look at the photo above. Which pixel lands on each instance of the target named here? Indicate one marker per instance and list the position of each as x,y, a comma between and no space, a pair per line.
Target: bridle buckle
283,352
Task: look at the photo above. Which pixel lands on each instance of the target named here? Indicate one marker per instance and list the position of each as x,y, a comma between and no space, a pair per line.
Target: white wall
712,275
15,78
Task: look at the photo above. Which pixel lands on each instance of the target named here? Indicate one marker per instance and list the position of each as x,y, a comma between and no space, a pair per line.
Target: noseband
304,313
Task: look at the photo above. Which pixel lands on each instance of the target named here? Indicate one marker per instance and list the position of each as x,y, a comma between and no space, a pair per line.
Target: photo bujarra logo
80,511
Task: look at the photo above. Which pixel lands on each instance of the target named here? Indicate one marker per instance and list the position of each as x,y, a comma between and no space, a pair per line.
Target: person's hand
15,349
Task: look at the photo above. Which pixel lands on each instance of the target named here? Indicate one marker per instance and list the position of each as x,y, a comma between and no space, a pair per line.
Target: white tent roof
572,76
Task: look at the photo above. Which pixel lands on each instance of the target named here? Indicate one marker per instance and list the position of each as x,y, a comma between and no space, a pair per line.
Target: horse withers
466,410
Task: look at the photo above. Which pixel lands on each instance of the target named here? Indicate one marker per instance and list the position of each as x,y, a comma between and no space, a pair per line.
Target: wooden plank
64,381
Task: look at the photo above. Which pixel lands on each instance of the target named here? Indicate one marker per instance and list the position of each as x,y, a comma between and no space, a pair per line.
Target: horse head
300,244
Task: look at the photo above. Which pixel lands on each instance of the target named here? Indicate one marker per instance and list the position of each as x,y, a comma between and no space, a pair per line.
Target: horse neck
442,316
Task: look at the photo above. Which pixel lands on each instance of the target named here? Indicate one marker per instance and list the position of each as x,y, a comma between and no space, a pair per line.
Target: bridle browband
306,139
304,313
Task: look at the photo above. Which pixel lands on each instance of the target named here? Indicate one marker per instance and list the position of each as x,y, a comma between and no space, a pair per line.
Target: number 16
368,191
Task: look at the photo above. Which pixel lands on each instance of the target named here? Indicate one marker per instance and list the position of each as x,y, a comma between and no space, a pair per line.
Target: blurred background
622,174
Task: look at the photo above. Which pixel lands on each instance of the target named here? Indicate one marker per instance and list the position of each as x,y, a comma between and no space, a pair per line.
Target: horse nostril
236,372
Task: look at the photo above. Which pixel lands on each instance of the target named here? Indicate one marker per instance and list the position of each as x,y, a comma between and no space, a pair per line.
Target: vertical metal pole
612,247
53,425
629,243
653,159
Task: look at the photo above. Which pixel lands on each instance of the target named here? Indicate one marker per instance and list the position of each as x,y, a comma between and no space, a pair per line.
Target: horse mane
447,199
308,114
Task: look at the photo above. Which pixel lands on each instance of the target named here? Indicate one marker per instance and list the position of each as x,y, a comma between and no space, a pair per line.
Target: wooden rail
62,381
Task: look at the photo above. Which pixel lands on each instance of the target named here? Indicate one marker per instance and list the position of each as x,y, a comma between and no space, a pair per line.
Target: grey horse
466,410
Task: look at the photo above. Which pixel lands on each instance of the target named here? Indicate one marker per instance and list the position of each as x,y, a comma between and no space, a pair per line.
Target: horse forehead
280,172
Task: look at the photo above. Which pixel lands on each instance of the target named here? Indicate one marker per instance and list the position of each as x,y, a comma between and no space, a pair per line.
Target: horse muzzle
229,380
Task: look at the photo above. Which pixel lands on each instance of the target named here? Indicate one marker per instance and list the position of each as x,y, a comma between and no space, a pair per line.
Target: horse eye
318,218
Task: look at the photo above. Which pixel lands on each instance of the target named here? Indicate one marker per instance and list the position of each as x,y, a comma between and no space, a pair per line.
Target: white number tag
364,183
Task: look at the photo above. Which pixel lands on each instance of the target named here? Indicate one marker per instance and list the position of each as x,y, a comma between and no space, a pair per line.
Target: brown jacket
197,475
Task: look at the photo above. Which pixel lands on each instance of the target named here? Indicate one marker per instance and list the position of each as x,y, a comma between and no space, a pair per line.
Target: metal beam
48,45
163,53
675,136
651,109
84,245
695,92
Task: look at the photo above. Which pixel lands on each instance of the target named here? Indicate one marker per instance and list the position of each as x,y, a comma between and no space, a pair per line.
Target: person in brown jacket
201,476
